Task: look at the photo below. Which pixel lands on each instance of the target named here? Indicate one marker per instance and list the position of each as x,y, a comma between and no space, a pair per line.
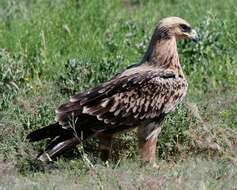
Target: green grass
51,49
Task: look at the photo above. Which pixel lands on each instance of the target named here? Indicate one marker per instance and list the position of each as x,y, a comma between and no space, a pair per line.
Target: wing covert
137,96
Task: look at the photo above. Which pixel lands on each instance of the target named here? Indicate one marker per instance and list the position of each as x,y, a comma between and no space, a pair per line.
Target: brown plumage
140,96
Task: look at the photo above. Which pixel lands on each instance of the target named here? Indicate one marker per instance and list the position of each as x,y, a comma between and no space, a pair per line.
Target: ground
51,49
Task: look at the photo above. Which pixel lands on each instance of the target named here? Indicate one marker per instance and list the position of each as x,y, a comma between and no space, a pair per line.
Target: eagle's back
128,99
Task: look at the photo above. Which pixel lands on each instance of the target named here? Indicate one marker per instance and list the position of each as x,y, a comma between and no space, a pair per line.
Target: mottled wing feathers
137,96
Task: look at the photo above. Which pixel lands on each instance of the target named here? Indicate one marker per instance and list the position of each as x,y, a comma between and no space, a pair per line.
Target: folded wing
126,99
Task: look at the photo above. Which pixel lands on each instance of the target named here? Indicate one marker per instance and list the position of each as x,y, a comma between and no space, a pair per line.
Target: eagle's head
176,27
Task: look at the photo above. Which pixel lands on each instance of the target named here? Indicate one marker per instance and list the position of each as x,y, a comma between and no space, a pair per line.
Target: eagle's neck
162,53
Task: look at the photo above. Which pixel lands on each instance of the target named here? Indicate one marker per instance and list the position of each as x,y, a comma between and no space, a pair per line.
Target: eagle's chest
182,87
176,94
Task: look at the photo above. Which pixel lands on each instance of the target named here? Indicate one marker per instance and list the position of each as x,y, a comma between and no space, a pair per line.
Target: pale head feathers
175,27
172,21
162,50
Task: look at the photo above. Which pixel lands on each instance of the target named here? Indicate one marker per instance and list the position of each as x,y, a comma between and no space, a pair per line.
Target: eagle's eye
185,28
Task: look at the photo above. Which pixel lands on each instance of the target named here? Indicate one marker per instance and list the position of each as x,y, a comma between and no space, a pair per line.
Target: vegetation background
52,49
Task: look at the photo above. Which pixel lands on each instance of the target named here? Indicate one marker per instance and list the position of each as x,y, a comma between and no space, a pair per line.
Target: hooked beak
194,36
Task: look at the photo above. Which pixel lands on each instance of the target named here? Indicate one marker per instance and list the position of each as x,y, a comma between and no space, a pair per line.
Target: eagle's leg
105,145
147,139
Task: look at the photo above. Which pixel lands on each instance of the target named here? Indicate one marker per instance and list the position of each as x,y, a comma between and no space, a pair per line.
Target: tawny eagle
138,97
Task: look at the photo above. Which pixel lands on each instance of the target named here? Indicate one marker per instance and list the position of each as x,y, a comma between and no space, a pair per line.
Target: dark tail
62,140
50,131
57,147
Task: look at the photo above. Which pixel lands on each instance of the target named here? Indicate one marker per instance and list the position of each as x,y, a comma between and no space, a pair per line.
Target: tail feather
50,131
58,149
58,139
61,140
